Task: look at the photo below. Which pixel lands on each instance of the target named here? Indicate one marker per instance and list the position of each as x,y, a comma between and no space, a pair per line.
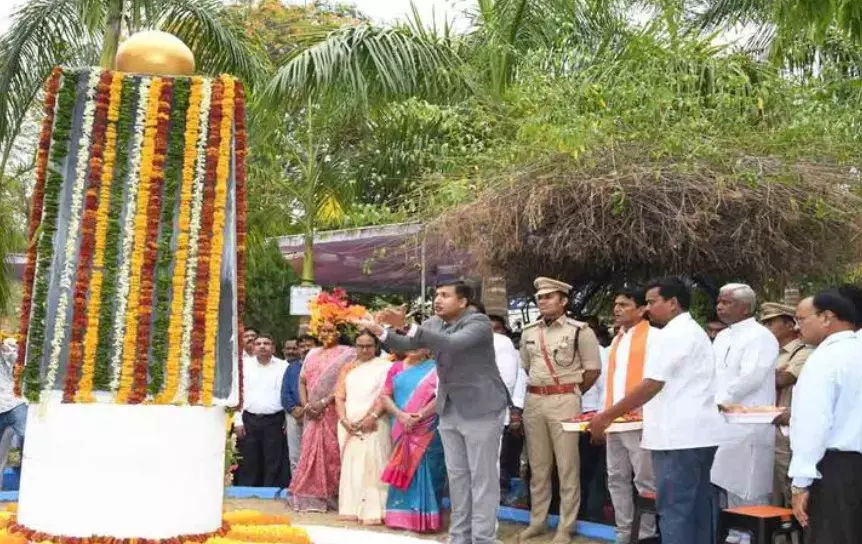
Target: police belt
559,389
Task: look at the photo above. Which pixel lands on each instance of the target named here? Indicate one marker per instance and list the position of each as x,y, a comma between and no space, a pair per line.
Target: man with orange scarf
626,459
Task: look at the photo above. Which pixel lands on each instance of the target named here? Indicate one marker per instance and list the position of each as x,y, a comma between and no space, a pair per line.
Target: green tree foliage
268,281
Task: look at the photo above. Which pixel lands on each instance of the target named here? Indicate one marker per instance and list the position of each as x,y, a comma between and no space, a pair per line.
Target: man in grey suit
472,402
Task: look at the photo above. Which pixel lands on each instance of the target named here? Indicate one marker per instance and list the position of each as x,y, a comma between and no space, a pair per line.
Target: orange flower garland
153,211
51,88
35,536
147,154
239,173
88,233
204,244
217,244
175,327
85,387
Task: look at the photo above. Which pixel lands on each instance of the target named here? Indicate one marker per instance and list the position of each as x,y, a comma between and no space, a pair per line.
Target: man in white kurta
745,356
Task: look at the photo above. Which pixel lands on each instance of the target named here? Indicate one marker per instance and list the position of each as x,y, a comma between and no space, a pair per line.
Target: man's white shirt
509,364
593,399
831,416
262,387
683,415
745,357
621,369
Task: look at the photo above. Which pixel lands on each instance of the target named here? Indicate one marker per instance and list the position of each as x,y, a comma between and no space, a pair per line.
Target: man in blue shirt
826,429
294,353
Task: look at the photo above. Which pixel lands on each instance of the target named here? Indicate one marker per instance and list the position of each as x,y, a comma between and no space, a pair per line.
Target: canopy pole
424,270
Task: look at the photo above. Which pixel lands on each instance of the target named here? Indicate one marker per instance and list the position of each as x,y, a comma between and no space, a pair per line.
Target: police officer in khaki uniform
561,357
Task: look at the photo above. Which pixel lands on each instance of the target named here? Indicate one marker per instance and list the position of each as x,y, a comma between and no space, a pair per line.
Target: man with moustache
472,402
260,424
561,357
682,426
792,355
628,462
826,429
249,335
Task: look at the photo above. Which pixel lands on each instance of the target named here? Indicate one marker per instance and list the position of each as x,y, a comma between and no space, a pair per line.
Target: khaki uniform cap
546,286
771,310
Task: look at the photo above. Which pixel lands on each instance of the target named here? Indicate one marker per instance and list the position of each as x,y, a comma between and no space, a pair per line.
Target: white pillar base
123,471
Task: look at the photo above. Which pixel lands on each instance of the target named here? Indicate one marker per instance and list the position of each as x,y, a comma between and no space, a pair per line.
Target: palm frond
219,45
368,62
43,34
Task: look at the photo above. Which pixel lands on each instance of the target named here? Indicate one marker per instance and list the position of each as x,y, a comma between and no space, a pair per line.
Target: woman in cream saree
363,438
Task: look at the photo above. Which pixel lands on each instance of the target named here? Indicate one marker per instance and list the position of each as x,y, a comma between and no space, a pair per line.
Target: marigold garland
151,225
190,157
129,99
217,245
280,534
140,277
74,224
51,88
173,166
106,194
201,291
30,535
239,182
95,167
194,235
253,517
133,380
147,104
139,234
48,227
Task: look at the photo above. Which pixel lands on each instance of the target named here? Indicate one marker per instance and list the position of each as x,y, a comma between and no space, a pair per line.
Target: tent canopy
380,259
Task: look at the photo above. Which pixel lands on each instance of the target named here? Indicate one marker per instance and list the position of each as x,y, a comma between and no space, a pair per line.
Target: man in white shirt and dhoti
746,353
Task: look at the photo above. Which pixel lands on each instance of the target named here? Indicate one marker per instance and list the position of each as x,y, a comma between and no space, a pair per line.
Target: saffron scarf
635,367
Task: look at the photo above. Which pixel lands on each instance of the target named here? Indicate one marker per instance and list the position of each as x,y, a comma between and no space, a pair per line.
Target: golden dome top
155,53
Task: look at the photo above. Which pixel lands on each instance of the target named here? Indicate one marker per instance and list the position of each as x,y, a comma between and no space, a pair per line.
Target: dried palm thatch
759,220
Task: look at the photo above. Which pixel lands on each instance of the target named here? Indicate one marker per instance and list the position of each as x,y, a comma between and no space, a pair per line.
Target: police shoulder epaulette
576,323
531,325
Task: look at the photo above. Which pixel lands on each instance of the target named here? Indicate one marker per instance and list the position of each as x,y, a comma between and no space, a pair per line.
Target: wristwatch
798,490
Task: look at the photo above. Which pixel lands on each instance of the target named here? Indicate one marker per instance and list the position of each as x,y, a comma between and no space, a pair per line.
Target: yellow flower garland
267,533
91,338
253,517
147,154
175,328
222,171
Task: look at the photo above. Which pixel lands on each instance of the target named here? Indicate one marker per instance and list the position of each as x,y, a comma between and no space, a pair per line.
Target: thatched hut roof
759,220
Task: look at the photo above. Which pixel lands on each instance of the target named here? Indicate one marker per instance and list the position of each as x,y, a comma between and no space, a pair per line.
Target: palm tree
362,68
48,33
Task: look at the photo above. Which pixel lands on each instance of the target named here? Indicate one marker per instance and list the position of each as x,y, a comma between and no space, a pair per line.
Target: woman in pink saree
416,473
314,486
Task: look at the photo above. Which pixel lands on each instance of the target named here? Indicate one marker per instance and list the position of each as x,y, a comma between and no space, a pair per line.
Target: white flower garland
75,218
133,179
194,233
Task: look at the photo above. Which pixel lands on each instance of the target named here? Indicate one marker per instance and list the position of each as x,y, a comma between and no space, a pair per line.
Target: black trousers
835,503
262,451
510,458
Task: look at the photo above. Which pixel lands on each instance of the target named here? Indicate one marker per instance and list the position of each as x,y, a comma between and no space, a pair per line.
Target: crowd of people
374,429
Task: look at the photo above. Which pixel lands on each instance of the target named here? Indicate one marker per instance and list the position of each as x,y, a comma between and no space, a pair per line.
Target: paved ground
507,533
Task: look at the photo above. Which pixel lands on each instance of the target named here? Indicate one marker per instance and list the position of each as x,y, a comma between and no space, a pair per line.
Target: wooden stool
644,504
764,523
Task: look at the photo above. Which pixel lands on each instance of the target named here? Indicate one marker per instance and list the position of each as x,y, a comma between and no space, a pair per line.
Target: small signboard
300,296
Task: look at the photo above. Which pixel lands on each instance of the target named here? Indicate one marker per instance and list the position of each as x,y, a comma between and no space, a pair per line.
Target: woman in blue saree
416,472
